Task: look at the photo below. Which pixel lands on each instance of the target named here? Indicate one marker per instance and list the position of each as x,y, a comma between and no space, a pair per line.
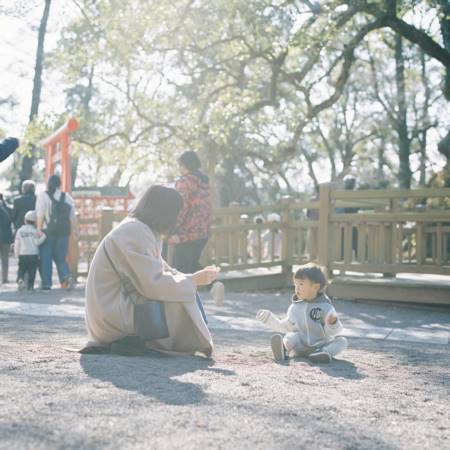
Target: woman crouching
130,286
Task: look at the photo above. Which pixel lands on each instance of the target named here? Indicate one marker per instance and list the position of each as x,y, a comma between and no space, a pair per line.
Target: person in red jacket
194,220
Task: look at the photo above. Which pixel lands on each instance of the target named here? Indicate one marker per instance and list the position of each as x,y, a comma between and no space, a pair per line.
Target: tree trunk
380,168
87,116
311,171
28,161
424,133
445,30
404,173
444,144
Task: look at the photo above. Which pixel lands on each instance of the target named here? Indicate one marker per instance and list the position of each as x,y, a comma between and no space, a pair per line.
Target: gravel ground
380,395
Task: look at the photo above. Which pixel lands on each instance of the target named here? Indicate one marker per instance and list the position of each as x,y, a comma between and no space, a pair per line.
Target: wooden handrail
390,193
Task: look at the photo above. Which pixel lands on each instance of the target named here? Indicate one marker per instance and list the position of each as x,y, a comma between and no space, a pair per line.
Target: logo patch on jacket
316,314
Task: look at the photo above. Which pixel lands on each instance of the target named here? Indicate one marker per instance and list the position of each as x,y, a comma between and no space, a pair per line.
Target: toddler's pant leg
294,345
336,346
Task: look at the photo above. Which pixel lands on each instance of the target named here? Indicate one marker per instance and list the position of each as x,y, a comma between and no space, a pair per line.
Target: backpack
59,223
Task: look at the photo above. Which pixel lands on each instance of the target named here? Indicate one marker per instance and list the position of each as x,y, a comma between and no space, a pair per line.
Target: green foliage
262,88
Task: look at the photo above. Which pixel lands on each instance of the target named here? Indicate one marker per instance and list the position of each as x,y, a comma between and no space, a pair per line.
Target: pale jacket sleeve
145,270
279,325
332,330
17,245
168,268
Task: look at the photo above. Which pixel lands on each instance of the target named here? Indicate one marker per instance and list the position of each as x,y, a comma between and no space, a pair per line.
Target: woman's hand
205,276
174,239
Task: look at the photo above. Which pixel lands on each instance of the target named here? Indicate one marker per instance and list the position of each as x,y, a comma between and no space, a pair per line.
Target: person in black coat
8,147
24,203
6,237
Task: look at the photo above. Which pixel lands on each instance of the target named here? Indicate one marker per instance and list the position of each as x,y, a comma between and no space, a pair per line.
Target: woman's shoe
129,346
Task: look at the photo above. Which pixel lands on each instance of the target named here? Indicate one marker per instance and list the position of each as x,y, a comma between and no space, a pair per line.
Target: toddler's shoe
279,352
320,357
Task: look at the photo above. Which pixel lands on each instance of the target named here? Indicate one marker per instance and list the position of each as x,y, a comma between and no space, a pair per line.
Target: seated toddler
311,327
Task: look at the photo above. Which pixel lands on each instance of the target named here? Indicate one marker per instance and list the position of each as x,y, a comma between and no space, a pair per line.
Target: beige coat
136,254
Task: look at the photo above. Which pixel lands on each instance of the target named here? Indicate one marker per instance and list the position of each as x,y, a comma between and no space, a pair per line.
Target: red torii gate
58,150
58,147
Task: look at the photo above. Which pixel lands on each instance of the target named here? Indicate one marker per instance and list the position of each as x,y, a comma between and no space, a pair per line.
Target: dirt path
382,394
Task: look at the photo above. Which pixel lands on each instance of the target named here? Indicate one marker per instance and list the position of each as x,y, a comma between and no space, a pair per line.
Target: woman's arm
131,253
40,212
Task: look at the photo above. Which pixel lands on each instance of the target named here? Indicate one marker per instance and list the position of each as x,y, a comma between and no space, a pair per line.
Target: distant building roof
102,191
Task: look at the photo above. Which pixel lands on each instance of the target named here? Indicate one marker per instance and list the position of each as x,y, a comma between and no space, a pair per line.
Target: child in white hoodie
26,249
311,325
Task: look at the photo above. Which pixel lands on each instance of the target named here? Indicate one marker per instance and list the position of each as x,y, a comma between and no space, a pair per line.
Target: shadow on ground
153,376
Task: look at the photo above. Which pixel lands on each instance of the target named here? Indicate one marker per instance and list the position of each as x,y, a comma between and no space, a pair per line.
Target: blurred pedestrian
26,248
6,237
55,211
254,239
194,220
271,238
24,203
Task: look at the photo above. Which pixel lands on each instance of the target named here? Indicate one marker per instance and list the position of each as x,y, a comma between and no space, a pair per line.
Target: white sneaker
20,284
320,357
70,283
278,350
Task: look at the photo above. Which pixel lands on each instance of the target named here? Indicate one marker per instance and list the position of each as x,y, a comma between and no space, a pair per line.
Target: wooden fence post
324,225
106,221
286,240
233,248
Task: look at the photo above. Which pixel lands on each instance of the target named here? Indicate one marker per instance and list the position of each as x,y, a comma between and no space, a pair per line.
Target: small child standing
26,249
311,326
254,239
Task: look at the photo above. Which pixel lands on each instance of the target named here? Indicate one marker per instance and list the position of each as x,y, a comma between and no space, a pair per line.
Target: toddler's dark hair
312,272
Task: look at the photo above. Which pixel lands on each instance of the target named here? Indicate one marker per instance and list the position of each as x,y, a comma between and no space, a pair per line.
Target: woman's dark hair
158,208
190,160
312,272
53,183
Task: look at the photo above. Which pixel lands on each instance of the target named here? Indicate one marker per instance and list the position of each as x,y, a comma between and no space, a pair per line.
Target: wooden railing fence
383,231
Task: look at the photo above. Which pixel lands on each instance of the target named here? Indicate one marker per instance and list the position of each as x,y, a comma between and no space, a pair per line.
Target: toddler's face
306,289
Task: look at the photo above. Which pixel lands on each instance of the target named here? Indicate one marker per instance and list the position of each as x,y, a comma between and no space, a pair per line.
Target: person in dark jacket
24,203
6,237
8,147
194,220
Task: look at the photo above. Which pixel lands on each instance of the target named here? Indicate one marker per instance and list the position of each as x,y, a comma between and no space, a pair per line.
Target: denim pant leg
200,307
45,258
59,256
4,249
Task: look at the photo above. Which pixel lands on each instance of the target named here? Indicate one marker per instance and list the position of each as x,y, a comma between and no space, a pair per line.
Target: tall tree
28,159
404,172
